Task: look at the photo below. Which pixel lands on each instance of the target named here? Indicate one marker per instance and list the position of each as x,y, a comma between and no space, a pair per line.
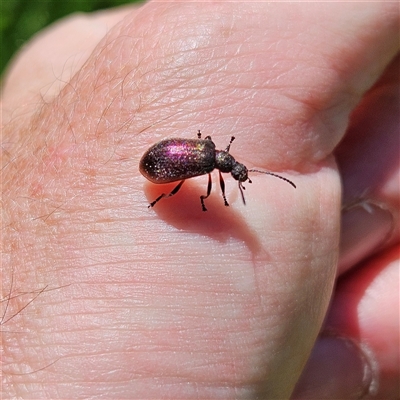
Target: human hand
174,302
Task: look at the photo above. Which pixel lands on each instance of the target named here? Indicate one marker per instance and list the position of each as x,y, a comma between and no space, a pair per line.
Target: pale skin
104,298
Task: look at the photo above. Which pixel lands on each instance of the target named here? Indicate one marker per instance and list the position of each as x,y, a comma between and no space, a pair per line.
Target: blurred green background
20,19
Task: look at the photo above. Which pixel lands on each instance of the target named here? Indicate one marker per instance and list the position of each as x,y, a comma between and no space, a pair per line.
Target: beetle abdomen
176,159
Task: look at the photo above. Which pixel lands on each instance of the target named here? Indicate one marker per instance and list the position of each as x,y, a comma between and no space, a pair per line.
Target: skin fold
294,295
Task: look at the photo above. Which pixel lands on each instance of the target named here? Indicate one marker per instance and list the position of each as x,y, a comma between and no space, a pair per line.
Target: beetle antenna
276,176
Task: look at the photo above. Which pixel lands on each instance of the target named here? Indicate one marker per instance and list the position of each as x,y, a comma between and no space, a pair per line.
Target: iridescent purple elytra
173,160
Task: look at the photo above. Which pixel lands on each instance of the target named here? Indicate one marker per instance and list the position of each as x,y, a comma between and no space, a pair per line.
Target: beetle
179,159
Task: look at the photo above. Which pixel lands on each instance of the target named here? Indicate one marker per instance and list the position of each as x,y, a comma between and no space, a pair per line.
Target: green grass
21,19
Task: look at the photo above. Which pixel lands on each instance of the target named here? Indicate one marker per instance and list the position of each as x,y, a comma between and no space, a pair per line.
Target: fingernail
365,226
337,369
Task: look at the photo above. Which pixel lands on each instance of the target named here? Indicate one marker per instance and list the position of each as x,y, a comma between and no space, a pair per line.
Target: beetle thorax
224,161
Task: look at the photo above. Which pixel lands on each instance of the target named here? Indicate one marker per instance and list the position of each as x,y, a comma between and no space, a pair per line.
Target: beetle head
239,172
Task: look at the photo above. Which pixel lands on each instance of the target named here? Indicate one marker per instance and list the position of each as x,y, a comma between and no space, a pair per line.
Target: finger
368,159
358,355
316,101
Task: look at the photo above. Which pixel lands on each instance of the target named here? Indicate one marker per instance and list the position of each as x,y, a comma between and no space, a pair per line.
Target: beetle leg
199,136
241,187
229,145
174,191
222,184
208,193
